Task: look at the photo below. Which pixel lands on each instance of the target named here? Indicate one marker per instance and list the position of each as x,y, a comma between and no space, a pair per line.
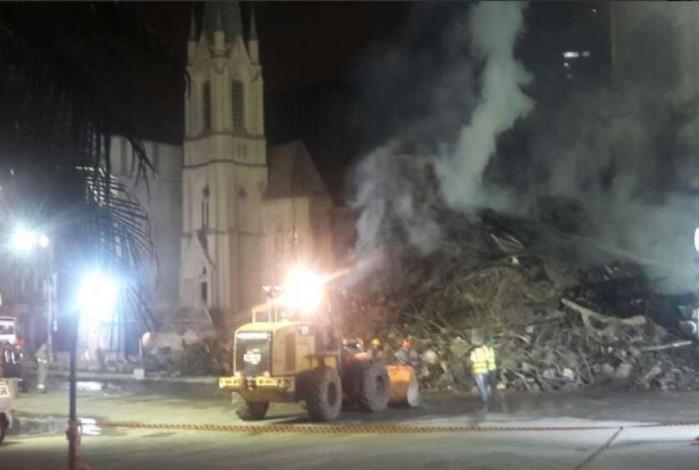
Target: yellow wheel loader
292,351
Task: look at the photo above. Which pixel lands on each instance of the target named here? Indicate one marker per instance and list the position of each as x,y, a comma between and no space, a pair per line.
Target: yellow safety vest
479,360
491,358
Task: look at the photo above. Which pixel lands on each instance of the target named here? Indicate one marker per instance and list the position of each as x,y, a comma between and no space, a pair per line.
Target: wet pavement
662,447
202,404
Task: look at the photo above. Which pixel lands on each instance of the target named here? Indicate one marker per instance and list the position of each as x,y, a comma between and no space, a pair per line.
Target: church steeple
253,44
222,16
219,35
253,28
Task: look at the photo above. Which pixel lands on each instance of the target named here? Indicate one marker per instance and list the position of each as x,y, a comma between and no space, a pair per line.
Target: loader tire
250,410
372,386
323,392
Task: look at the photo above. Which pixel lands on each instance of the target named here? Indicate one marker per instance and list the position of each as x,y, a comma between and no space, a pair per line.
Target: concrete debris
559,318
623,371
191,353
430,357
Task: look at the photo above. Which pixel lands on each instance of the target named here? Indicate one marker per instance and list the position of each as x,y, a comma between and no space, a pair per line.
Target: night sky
304,44
320,66
312,54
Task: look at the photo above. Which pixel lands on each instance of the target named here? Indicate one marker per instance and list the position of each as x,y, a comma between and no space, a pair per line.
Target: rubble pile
559,315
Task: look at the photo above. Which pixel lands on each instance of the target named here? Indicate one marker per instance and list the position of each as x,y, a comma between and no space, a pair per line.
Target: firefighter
479,367
406,355
492,366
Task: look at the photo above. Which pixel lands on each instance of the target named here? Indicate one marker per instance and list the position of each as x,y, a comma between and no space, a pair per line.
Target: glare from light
696,239
97,296
23,240
43,241
571,54
303,290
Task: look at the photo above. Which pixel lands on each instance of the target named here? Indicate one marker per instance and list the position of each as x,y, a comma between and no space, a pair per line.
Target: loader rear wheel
250,410
323,394
372,386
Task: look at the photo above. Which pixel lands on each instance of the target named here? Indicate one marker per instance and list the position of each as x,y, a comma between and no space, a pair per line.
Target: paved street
148,449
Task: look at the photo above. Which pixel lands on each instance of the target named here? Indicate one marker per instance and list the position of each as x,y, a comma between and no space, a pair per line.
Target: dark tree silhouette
69,81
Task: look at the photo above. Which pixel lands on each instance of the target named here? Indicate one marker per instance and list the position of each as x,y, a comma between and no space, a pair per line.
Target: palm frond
67,86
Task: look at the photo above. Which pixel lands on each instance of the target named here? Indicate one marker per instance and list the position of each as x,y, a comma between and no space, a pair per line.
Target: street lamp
97,296
24,240
96,300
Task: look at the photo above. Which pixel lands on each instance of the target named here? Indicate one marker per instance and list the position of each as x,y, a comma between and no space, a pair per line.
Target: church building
245,211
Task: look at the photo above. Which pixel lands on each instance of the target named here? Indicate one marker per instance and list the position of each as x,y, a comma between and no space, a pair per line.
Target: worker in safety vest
492,366
479,366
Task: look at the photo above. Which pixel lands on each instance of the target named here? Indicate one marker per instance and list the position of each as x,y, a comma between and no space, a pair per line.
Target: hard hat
376,342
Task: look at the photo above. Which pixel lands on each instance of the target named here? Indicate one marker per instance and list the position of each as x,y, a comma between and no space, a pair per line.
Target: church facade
246,211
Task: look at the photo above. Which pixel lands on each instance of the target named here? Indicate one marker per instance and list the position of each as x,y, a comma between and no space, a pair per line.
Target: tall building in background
654,45
654,53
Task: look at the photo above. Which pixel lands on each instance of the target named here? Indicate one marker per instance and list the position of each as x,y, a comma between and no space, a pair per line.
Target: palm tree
68,82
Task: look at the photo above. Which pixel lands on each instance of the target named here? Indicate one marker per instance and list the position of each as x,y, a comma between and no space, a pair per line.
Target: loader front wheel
323,394
250,410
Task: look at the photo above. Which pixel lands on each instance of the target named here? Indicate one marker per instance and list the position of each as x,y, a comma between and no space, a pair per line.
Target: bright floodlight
303,290
97,296
696,239
43,241
23,240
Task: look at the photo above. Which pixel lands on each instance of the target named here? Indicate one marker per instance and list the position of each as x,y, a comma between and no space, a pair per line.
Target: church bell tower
225,165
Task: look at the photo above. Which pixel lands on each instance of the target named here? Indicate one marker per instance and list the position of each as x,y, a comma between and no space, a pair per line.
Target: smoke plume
617,151
495,27
395,187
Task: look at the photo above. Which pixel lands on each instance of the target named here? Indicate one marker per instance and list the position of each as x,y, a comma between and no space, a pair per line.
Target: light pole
96,300
25,241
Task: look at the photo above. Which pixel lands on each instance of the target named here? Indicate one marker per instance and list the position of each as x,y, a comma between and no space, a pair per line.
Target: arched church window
205,200
238,105
206,105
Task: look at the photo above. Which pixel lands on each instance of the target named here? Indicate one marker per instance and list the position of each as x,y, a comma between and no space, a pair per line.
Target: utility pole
51,279
73,431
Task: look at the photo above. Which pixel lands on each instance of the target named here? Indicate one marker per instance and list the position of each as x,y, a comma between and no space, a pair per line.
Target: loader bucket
405,389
